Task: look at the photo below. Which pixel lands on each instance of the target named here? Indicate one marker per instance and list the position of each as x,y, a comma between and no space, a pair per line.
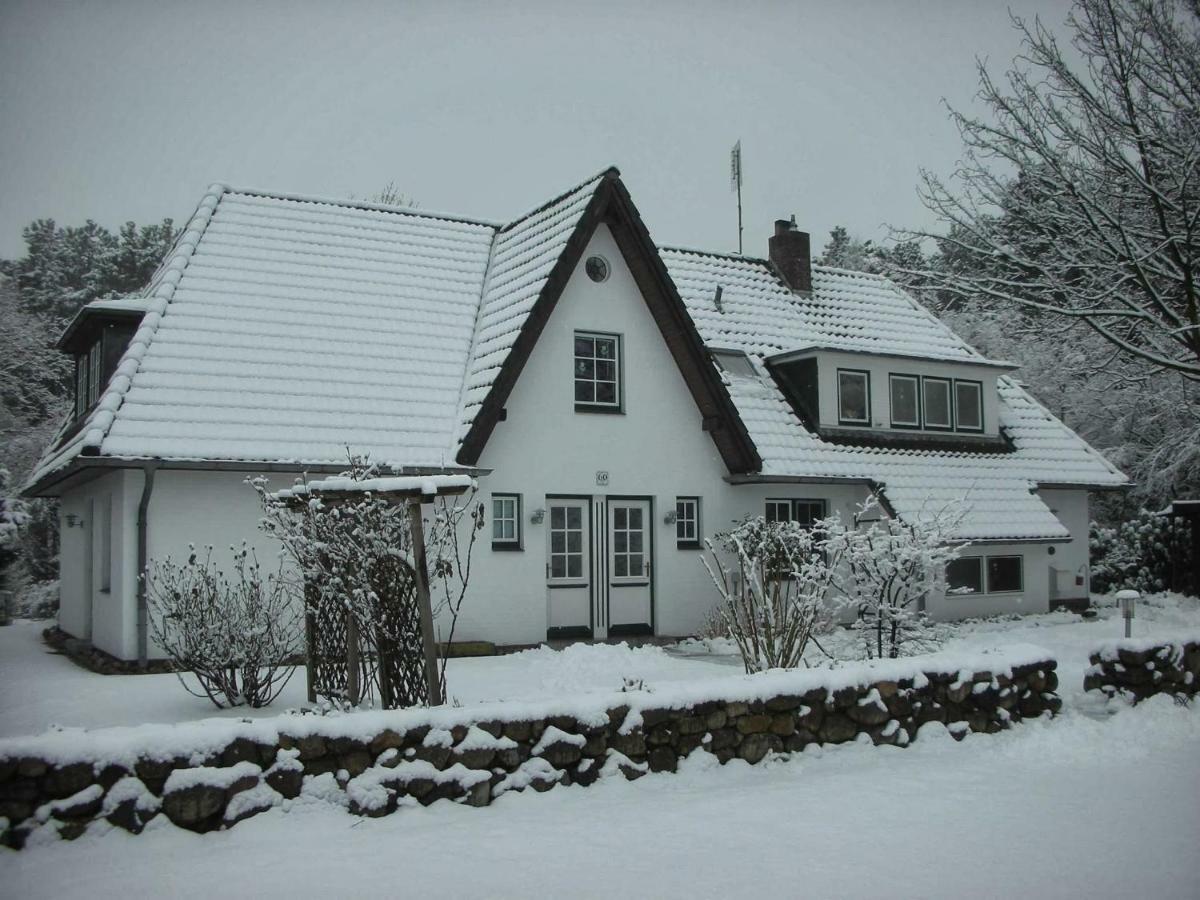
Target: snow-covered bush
771,594
238,636
884,568
356,557
1147,553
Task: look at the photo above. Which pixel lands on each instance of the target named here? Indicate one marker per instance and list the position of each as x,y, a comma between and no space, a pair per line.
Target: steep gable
513,314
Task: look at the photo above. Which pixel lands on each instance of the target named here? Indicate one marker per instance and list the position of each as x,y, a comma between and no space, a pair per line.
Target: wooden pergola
398,490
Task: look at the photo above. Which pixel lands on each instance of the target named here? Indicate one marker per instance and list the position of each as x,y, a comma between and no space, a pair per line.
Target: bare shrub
771,595
237,636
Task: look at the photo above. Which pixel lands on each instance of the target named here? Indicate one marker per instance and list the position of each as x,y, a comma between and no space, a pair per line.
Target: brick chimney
789,253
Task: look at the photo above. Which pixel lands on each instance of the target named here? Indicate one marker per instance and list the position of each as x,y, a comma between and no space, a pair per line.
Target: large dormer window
938,416
854,397
906,400
968,405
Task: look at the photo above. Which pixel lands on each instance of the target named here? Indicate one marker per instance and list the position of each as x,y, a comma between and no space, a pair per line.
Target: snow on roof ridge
610,171
696,251
360,204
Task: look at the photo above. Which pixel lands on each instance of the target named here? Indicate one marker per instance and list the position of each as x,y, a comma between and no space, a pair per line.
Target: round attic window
597,268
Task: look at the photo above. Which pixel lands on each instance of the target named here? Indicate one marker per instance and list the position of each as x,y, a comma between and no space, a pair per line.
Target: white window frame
618,374
978,387
949,385
866,379
789,505
682,521
507,543
893,377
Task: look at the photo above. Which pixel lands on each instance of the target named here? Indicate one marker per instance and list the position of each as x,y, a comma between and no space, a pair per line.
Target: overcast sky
128,110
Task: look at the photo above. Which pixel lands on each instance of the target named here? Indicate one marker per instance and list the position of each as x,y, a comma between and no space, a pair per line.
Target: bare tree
1079,195
886,569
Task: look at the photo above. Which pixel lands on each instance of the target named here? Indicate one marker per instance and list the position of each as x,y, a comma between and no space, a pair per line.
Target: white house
619,401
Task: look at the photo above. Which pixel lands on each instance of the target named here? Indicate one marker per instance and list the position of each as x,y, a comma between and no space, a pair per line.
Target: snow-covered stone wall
208,775
1141,667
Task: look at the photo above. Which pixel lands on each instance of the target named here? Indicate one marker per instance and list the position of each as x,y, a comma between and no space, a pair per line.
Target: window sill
506,546
688,545
598,408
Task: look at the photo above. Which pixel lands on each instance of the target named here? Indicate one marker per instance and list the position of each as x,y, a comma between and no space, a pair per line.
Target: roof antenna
735,177
717,300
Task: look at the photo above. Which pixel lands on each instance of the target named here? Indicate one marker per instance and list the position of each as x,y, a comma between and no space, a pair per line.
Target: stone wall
209,775
1139,668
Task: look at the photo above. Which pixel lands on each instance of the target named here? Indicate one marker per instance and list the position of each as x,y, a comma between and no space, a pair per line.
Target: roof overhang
83,469
96,315
788,356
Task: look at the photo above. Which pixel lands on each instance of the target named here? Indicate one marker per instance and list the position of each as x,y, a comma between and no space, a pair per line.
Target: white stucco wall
86,609
656,448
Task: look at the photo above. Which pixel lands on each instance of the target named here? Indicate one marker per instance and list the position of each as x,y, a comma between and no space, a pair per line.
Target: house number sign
602,479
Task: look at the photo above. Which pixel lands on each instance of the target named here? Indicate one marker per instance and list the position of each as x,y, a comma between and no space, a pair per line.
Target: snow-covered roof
285,329
858,312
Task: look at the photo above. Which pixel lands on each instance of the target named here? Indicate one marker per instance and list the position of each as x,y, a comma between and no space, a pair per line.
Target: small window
687,522
94,373
103,523
81,390
937,404
854,397
506,522
734,362
806,512
597,268
965,575
597,372
1004,574
906,402
968,405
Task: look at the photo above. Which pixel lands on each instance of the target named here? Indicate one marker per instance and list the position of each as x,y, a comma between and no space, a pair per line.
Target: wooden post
353,667
424,604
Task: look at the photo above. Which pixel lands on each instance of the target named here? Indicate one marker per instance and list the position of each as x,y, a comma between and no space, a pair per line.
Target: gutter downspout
143,616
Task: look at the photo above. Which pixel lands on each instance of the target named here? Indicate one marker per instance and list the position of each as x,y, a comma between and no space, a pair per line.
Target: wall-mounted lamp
670,517
73,520
539,516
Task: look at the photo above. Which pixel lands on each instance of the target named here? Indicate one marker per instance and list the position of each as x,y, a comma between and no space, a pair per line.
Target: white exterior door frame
570,566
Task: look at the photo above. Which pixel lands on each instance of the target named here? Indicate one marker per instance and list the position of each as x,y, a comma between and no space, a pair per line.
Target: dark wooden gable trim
719,415
612,205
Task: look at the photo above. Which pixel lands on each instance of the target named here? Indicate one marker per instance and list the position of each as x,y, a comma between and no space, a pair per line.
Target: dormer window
937,404
968,405
906,401
854,397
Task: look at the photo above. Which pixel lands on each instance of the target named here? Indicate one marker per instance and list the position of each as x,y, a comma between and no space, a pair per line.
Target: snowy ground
1099,802
1078,806
40,688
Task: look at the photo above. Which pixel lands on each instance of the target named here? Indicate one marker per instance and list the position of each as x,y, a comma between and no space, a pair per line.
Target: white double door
599,566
